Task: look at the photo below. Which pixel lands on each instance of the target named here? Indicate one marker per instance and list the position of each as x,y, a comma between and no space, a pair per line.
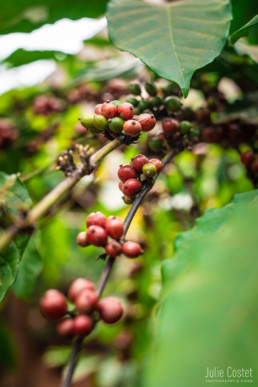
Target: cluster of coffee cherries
8,134
158,99
133,175
88,308
45,105
117,117
100,228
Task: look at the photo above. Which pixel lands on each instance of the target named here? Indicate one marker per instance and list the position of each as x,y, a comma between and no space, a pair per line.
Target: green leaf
14,197
25,16
8,356
208,316
244,31
29,268
174,39
21,57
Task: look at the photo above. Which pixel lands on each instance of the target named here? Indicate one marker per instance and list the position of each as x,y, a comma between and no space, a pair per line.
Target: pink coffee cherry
132,249
126,111
110,309
97,236
77,286
53,304
114,227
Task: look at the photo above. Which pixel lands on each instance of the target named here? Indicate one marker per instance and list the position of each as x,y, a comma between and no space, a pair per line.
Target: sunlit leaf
174,39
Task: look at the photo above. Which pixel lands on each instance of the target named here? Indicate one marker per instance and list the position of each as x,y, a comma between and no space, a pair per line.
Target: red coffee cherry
113,249
121,185
82,325
81,239
132,128
98,108
138,162
114,227
170,126
132,187
96,219
126,111
208,134
147,121
53,304
110,309
247,158
78,285
86,301
108,110
97,236
65,328
132,249
157,163
126,172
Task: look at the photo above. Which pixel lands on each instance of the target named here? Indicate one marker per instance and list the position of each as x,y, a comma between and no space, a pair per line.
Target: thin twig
109,265
53,196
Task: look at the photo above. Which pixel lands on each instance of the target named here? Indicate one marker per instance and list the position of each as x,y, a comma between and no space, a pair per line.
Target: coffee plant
128,199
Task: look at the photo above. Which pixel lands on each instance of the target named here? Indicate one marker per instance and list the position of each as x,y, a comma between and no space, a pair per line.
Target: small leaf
29,268
175,38
244,31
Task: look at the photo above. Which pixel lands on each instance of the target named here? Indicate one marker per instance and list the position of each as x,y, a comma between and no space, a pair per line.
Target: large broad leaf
208,316
21,57
173,39
245,30
27,15
29,268
13,198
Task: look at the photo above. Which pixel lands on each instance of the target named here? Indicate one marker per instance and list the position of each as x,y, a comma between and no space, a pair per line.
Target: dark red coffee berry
208,134
147,121
132,249
82,325
170,126
86,301
132,187
65,328
132,128
53,304
110,309
81,239
97,236
126,111
98,108
108,110
114,227
126,172
157,163
138,162
96,219
247,158
77,286
254,165
113,249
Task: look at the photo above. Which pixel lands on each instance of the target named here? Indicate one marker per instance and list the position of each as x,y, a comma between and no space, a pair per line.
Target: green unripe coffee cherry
87,120
116,102
173,104
100,122
169,89
151,89
116,124
185,126
156,101
135,89
149,170
137,111
132,100
127,200
155,145
143,105
193,132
